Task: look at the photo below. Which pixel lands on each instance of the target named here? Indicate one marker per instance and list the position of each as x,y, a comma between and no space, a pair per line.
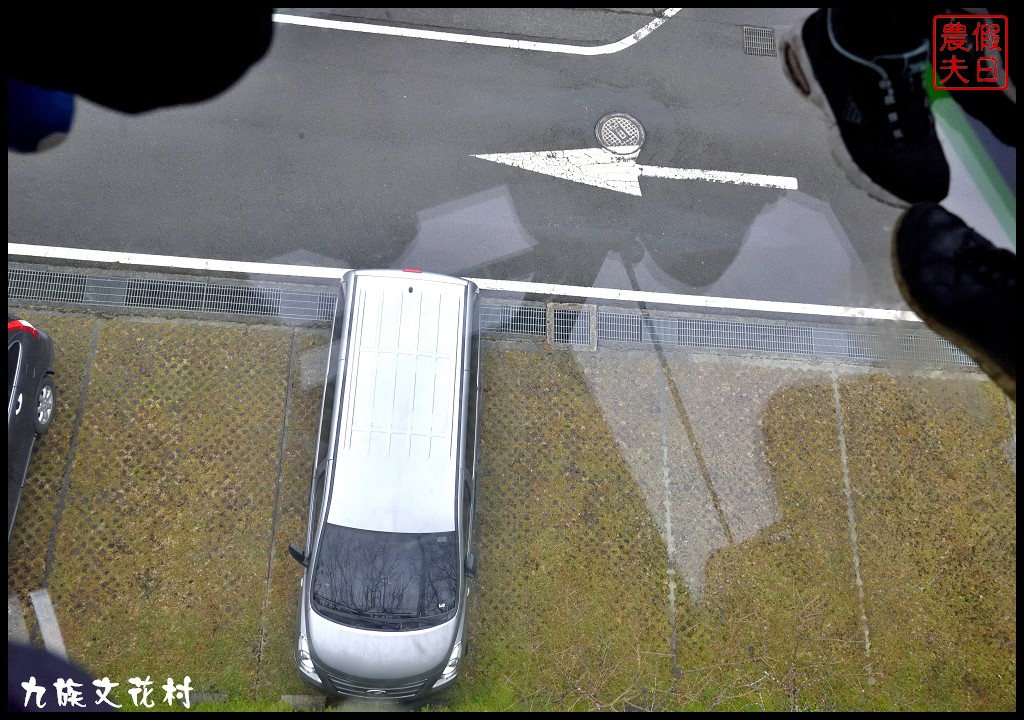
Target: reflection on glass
368,578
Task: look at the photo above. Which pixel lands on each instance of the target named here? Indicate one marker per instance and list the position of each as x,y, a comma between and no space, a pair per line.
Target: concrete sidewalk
658,529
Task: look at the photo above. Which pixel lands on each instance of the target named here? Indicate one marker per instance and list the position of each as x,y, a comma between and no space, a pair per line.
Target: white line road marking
604,169
699,301
851,519
46,619
174,262
511,286
608,49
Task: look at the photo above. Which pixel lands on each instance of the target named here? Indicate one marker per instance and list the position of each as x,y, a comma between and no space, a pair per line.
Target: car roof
398,450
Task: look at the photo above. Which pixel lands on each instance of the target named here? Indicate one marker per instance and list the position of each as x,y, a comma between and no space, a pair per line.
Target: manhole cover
620,133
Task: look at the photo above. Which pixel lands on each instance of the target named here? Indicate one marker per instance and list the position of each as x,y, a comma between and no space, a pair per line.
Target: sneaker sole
999,376
797,66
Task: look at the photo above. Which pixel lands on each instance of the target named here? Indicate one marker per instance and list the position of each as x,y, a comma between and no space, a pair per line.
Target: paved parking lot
658,530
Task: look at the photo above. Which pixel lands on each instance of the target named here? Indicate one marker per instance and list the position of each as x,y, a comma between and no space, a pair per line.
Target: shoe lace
996,266
905,101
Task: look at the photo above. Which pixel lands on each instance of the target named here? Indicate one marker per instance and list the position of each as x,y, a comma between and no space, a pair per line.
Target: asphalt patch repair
673,531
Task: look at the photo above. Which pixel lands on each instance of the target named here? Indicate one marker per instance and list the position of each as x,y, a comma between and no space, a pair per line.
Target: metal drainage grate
251,300
528,320
572,324
620,133
264,302
326,306
746,336
48,286
182,295
584,327
164,294
759,41
884,345
619,328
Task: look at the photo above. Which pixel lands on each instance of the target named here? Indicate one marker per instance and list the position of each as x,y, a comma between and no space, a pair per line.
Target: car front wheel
46,401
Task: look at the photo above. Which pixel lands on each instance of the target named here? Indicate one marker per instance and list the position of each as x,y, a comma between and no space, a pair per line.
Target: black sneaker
962,286
881,128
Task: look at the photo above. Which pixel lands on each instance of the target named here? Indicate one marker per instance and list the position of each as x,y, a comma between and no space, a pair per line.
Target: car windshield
383,576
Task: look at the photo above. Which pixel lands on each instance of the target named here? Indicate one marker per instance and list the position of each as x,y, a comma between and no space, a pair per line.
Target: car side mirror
299,555
471,565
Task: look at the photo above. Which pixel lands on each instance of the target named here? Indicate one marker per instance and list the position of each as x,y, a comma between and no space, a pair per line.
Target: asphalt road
353,149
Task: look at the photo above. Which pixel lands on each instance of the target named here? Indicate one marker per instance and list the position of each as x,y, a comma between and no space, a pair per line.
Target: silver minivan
382,612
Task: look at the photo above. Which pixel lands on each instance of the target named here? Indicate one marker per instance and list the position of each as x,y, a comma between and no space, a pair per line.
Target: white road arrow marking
604,169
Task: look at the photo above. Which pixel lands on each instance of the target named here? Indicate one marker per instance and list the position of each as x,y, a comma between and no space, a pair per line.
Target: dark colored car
31,399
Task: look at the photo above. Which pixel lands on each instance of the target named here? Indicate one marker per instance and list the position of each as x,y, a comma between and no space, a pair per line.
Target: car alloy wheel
45,403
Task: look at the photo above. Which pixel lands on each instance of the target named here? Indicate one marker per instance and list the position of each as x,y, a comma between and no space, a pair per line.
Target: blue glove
38,118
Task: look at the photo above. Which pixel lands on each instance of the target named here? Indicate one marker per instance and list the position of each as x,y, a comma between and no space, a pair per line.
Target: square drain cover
759,41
